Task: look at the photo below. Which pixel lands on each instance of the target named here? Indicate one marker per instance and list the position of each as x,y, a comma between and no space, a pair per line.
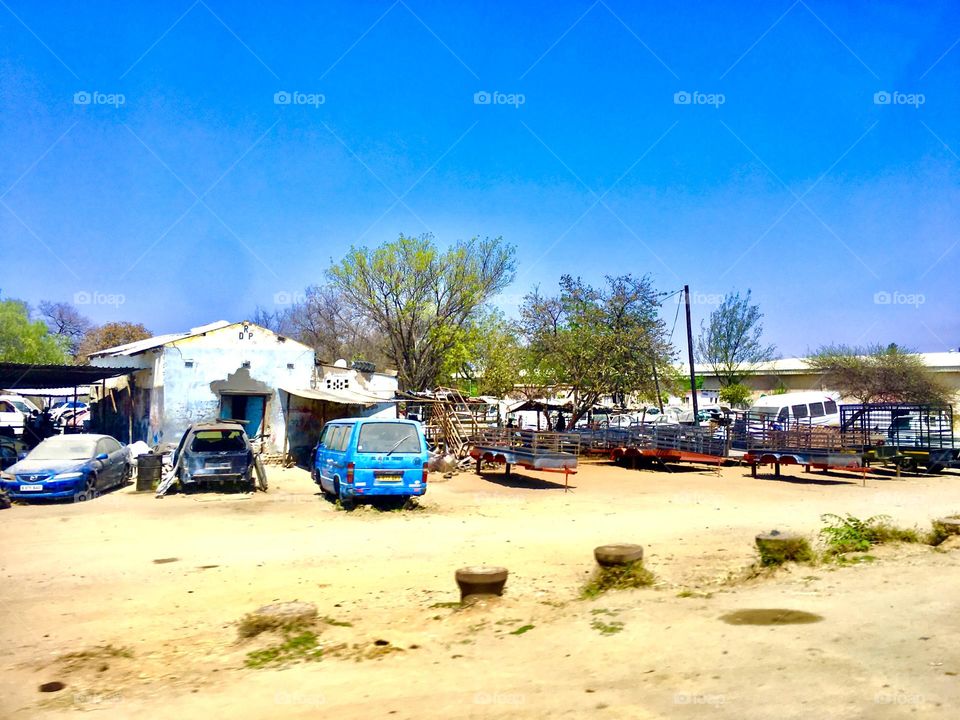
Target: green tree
731,342
597,342
23,340
736,395
879,374
486,357
420,297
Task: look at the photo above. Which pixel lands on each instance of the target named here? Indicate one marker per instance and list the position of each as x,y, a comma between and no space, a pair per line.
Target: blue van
371,457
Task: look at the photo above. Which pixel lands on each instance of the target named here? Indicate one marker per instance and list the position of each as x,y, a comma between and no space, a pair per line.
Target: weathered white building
221,370
239,371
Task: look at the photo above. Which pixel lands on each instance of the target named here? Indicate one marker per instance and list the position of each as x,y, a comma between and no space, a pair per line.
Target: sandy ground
79,578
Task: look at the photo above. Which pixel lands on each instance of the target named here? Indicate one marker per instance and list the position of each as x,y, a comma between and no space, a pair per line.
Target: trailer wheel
936,468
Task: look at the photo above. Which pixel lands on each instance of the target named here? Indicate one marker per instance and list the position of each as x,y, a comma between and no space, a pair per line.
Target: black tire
936,468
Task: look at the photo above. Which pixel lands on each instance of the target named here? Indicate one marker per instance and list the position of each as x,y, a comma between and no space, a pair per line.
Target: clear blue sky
199,197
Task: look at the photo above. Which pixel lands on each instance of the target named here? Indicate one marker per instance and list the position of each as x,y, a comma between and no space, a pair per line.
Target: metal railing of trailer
907,435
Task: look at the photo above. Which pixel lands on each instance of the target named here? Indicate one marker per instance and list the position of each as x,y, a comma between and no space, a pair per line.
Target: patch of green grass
302,646
451,605
610,628
522,629
621,577
602,611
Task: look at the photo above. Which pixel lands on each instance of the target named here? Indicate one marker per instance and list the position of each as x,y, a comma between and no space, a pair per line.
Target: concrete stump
288,612
480,582
951,525
776,547
618,554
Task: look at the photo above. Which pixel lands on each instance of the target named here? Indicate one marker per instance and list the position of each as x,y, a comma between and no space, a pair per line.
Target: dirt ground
132,603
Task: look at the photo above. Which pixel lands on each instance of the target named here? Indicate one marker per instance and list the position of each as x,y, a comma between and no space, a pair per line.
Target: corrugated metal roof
135,348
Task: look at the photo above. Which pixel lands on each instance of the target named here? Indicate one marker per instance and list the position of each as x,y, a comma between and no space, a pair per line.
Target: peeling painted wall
182,393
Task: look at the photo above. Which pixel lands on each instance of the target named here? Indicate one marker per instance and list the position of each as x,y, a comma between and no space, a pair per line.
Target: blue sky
196,196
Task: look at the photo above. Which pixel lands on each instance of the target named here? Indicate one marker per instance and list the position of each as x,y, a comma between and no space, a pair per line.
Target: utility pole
656,384
693,374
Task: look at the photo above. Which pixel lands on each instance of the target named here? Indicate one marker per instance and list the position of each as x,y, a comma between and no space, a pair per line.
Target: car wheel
89,491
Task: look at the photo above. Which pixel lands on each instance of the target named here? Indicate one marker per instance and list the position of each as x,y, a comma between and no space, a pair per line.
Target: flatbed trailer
530,449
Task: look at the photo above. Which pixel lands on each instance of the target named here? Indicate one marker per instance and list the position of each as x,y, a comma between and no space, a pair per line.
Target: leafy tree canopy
23,340
879,374
419,297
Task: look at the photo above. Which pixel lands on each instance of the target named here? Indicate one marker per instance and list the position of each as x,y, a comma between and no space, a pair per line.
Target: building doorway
249,409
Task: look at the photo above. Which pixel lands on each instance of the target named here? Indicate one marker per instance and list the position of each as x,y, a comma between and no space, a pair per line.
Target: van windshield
760,410
388,437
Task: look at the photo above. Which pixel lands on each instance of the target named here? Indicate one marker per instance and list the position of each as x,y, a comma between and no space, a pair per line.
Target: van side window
782,416
799,411
336,434
5,406
816,409
324,436
831,407
343,441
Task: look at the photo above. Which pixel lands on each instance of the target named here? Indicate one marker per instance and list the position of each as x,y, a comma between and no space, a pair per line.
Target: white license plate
31,488
218,466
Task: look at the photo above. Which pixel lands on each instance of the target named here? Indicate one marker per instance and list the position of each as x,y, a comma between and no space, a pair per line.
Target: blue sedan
73,467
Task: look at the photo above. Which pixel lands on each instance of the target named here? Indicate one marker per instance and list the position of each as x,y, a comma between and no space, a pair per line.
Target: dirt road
142,596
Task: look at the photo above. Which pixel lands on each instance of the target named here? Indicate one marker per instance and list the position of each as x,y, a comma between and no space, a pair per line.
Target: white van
816,408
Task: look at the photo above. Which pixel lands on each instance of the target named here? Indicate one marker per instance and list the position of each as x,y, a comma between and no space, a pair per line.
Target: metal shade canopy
14,376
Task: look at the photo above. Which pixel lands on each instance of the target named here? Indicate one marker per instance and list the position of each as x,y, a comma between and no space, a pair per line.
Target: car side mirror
101,456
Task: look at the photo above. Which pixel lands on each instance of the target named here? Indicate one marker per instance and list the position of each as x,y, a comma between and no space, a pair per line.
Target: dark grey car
214,452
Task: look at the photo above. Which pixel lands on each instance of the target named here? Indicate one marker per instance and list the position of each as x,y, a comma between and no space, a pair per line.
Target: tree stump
618,554
479,582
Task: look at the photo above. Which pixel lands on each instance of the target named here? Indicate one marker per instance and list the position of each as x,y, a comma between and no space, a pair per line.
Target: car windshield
65,447
388,437
218,441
